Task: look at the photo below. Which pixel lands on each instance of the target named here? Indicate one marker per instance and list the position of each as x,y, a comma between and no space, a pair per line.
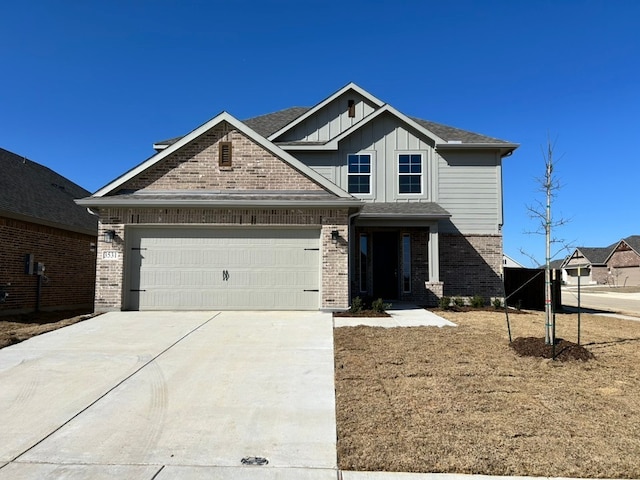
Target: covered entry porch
395,252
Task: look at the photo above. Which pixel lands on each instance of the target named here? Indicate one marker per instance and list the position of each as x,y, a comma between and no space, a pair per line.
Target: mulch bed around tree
564,351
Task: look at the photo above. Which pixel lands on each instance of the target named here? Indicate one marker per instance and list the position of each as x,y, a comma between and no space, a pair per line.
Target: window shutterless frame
360,173
411,166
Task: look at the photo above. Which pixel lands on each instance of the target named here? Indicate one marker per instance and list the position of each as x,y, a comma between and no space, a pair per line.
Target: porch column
434,254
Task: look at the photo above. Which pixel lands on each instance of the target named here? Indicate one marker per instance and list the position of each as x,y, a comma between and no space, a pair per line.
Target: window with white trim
359,173
410,173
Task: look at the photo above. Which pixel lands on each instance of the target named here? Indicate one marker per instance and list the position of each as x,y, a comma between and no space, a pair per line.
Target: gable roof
592,255
32,192
322,104
633,242
222,117
274,124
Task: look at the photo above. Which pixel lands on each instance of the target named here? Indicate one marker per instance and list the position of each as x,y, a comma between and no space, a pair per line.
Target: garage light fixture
335,235
109,235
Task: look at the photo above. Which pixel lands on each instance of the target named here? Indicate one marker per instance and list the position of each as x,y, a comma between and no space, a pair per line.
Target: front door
385,265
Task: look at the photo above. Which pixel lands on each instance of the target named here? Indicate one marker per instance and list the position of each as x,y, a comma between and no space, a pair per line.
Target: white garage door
207,268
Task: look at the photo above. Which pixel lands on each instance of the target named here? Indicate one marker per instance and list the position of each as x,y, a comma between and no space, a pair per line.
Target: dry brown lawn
459,400
17,328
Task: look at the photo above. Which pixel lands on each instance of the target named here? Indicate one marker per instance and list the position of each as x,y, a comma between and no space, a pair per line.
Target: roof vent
455,141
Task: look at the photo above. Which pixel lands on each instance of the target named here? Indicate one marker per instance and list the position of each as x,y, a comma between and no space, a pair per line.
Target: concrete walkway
402,315
142,395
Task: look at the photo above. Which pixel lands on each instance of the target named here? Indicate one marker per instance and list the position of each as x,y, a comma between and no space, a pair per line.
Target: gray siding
330,121
467,184
470,189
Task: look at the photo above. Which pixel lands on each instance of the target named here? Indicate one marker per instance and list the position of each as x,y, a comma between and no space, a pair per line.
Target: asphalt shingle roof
270,123
426,209
33,190
634,242
596,255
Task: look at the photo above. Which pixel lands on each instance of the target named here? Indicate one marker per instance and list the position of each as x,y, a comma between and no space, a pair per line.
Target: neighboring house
616,265
305,208
47,242
508,262
623,263
588,263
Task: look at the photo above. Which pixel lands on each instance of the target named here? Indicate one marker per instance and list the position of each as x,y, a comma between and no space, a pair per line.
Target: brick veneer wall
110,273
70,266
471,265
195,167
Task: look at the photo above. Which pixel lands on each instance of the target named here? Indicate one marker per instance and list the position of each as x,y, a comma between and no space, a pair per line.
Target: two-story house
304,208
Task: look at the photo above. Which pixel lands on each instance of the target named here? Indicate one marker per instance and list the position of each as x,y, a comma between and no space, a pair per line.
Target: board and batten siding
384,138
470,188
330,121
467,184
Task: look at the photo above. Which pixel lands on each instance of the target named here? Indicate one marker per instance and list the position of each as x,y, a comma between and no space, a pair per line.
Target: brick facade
471,265
69,259
423,291
195,166
110,272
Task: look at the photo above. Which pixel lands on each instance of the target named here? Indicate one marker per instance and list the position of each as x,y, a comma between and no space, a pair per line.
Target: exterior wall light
335,235
109,235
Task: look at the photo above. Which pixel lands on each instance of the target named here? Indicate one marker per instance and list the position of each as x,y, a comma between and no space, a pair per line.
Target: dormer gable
329,118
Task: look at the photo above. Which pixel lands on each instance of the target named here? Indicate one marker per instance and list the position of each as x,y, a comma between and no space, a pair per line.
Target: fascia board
313,110
400,216
161,155
225,117
48,223
333,143
476,146
415,125
294,162
384,109
115,202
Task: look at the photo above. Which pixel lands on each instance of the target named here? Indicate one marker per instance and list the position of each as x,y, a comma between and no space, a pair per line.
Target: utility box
28,264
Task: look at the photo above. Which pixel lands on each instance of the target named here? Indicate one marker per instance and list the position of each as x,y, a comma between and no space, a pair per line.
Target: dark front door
385,265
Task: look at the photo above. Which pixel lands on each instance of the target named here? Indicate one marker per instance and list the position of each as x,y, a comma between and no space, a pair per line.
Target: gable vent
352,108
224,154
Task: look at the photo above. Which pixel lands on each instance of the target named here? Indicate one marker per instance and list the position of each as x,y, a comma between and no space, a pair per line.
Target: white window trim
423,165
371,174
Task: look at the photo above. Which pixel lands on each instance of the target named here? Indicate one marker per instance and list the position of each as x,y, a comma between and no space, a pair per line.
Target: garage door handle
225,275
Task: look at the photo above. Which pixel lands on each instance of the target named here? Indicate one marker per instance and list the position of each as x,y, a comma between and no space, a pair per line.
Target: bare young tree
541,213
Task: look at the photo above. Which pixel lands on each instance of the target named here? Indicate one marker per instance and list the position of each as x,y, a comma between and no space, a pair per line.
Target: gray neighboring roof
634,242
33,192
270,123
596,255
404,209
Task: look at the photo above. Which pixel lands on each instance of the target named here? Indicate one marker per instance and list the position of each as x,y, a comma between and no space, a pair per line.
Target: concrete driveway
166,395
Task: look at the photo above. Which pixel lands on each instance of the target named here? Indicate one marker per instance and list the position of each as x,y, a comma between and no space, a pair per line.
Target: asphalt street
609,301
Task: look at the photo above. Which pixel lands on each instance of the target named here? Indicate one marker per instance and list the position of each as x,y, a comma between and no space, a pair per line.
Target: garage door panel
190,268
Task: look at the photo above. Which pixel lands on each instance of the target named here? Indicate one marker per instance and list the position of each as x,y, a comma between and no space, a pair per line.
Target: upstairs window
410,173
359,173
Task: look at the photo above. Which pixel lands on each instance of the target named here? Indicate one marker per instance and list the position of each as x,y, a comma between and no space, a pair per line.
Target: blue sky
87,87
